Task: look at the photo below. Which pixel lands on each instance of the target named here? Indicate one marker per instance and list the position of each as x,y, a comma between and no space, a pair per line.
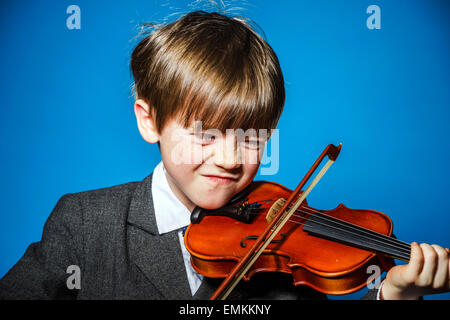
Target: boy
127,240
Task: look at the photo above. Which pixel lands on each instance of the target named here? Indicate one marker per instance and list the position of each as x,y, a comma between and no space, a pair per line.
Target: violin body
218,243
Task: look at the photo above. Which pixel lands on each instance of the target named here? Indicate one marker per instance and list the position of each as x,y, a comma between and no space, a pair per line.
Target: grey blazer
112,236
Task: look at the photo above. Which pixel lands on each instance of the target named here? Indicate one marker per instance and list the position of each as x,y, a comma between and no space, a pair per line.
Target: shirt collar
170,212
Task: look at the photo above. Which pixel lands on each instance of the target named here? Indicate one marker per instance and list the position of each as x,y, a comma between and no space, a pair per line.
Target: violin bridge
274,209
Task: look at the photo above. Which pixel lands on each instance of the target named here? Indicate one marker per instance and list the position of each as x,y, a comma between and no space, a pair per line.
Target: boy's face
204,168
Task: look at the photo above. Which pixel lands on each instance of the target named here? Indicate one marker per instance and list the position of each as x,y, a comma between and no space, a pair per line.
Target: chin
212,204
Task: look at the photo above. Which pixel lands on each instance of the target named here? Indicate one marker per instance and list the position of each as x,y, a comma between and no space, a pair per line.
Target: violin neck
334,229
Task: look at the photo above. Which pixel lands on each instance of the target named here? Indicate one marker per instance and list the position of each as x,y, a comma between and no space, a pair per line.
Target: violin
270,228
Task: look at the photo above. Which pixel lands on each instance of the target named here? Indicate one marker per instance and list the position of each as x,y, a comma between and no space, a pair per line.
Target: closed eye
204,138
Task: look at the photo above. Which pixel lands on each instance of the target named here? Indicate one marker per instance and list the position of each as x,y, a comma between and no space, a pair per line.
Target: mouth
220,179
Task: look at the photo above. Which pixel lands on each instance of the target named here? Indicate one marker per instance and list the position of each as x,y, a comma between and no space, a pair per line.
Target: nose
227,154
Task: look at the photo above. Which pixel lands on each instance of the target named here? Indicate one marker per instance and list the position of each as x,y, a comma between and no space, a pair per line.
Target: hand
427,272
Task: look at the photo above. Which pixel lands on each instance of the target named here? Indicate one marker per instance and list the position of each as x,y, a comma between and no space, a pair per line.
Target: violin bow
283,215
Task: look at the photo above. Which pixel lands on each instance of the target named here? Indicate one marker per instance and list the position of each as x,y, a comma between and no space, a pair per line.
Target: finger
441,276
429,266
448,266
415,265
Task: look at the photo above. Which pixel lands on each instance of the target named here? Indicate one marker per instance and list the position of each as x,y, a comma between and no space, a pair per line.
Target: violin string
359,228
382,239
351,225
401,252
393,244
397,251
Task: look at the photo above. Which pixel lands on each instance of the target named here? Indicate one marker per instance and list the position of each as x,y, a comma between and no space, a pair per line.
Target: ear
146,121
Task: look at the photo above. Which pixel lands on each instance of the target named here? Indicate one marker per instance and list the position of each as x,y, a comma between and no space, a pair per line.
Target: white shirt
171,214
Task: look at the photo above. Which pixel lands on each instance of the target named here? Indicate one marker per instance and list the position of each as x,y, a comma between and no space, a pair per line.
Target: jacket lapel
159,257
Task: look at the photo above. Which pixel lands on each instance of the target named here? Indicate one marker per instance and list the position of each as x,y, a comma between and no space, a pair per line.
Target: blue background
67,122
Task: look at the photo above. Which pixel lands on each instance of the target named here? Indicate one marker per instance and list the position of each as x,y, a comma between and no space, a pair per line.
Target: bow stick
283,215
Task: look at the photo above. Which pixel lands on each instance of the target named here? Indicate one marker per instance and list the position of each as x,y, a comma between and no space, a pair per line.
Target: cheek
182,175
197,153
251,170
251,157
182,152
178,160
